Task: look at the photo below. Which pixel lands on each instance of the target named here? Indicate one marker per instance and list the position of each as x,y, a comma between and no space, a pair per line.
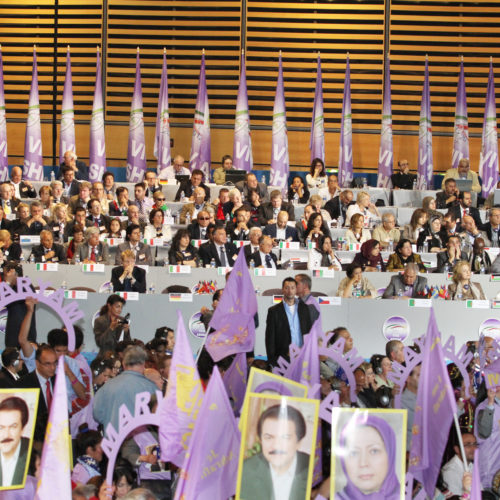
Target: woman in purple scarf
369,258
368,459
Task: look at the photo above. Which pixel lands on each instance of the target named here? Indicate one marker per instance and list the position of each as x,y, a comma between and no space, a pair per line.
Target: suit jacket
103,223
403,181
473,212
208,251
75,202
266,212
441,198
489,232
82,174
278,335
248,250
7,381
26,191
195,231
13,204
290,232
452,173
335,208
74,188
397,286
18,477
261,189
102,253
258,261
143,256
257,482
59,257
105,338
114,210
187,187
68,230
138,274
442,259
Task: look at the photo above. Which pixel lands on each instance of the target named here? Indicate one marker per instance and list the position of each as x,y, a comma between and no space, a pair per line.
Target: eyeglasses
48,363
160,199
474,445
203,218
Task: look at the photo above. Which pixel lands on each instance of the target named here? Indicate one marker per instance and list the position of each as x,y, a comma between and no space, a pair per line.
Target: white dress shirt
282,483
9,466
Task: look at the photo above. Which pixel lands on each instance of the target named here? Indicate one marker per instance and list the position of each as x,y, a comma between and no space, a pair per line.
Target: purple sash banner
345,173
461,128
386,155
317,140
4,160
67,125
425,167
162,131
97,147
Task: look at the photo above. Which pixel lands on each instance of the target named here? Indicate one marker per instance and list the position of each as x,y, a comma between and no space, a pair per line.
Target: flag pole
460,441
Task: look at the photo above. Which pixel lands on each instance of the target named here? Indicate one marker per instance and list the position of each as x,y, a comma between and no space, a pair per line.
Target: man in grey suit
407,285
141,251
251,182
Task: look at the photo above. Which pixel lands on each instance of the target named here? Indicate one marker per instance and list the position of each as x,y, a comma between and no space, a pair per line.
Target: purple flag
280,164
461,130
33,158
492,374
97,148
475,491
345,173
4,160
488,161
200,143
434,411
162,132
67,126
179,410
210,468
425,168
136,154
233,320
242,151
55,472
385,155
317,140
235,381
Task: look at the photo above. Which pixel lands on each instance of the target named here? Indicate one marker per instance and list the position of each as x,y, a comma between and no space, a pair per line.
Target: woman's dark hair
313,163
419,212
131,228
401,243
297,177
322,240
217,294
153,213
177,238
252,191
112,300
310,222
86,438
351,268
123,470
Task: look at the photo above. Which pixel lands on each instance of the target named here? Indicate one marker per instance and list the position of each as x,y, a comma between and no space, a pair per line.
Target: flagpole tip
165,50
461,58
137,49
34,47
67,48
426,57
242,52
202,52
280,53
491,59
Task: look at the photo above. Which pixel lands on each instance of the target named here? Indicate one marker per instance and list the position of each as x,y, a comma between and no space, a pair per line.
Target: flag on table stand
97,147
488,161
242,151
179,410
200,143
434,411
233,320
345,173
210,468
67,126
317,140
461,130
280,164
136,154
55,472
4,161
235,381
33,158
386,156
162,131
425,167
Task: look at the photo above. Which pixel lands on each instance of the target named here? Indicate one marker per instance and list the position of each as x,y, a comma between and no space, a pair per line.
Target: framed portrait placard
277,447
18,409
368,454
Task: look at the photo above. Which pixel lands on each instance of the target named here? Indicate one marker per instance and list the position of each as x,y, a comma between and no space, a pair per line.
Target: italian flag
174,269
42,267
88,268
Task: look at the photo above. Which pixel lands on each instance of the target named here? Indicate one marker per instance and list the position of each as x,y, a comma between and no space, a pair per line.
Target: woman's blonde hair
458,269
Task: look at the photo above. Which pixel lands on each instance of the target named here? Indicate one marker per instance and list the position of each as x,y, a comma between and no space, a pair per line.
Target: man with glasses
159,201
403,179
152,184
453,470
199,229
177,168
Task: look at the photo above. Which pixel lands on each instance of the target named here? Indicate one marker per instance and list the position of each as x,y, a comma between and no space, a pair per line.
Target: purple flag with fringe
97,147
317,139
200,143
425,167
242,150
488,160
345,173
280,163
33,157
461,129
233,320
210,468
4,160
162,131
180,408
235,381
434,411
67,126
385,155
136,154
475,491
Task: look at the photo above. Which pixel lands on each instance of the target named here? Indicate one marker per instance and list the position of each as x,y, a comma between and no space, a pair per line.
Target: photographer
110,327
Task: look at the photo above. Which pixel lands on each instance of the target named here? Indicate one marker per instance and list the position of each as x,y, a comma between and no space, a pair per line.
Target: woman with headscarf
370,258
431,236
403,256
368,458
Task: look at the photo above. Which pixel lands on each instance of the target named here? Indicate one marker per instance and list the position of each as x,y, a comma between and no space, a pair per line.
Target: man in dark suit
268,212
36,222
287,323
70,184
23,189
14,415
223,253
447,260
188,186
492,227
264,257
141,251
465,208
9,204
96,218
240,228
199,229
281,231
251,183
254,236
448,198
12,365
48,251
338,206
407,285
403,179
80,169
128,277
80,219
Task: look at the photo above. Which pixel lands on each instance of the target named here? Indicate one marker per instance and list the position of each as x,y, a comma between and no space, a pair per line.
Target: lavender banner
242,151
488,160
33,158
317,140
280,164
461,129
4,162
200,143
67,125
386,156
162,132
345,173
97,147
425,167
136,154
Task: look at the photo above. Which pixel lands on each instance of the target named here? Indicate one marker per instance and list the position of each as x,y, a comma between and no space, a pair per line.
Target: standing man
12,365
403,179
304,285
79,168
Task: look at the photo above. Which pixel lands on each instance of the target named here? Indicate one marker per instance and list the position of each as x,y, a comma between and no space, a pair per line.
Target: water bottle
414,184
356,290
308,242
212,263
379,267
152,288
64,285
400,293
183,196
426,246
77,259
21,259
168,213
188,219
447,267
252,264
482,270
296,199
52,176
32,259
263,179
390,247
340,222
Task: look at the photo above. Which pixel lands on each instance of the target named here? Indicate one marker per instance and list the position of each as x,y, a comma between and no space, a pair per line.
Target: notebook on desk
464,185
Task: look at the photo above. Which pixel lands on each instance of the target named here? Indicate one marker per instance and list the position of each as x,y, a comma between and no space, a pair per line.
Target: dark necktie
48,394
268,261
223,260
92,255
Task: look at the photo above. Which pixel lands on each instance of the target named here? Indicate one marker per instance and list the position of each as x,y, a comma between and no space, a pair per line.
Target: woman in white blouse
156,228
362,206
316,178
323,255
357,233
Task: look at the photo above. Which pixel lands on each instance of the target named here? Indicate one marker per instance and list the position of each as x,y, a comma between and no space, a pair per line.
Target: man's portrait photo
277,454
17,417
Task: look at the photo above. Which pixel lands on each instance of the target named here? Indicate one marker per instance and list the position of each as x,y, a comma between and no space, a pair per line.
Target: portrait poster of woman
277,447
368,454
18,409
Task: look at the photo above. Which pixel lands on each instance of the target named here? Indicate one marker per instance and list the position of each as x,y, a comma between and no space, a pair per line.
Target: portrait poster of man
277,447
262,382
17,424
368,454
